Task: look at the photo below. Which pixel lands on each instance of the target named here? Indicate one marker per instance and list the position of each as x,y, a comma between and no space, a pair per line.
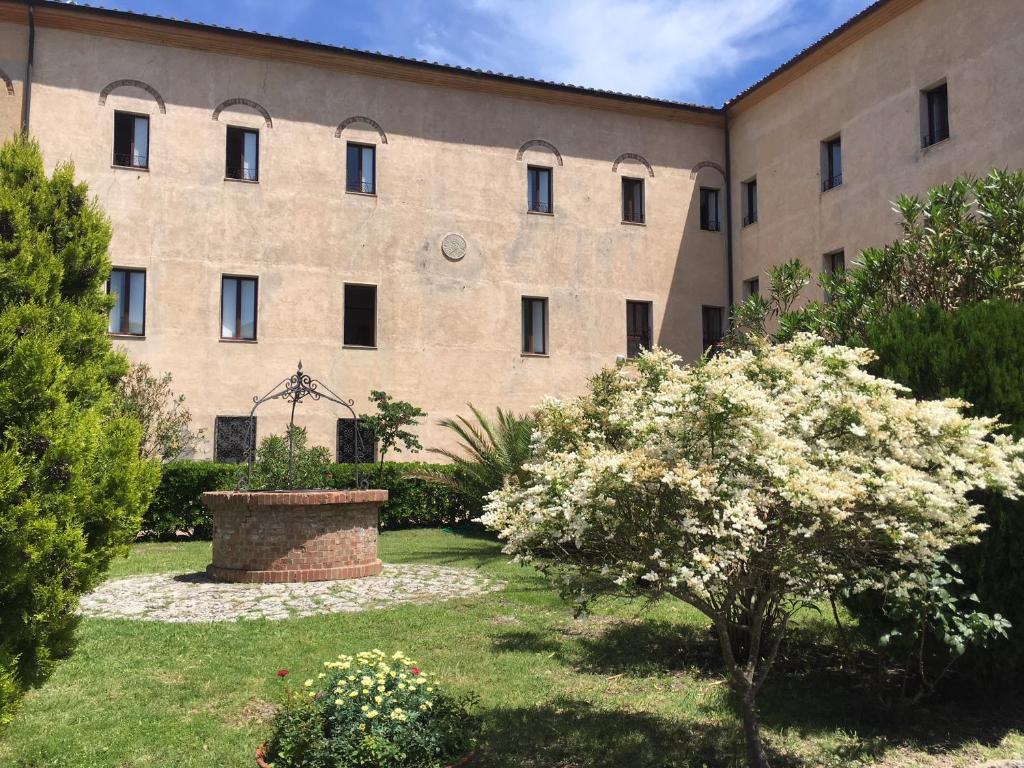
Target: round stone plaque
453,247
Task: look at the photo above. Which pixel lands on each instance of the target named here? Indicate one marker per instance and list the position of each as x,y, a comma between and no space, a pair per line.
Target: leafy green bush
72,484
977,354
307,467
413,503
371,710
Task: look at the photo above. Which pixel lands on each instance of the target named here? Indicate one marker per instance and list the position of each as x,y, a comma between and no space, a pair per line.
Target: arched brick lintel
361,119
539,143
706,164
245,103
134,84
633,156
7,83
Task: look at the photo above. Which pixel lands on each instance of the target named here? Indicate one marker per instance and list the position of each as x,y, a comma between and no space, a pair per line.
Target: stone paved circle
194,597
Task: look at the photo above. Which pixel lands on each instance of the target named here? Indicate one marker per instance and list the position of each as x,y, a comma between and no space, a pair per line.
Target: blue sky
702,51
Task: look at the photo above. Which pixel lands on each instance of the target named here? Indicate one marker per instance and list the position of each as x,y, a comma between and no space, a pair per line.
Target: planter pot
261,761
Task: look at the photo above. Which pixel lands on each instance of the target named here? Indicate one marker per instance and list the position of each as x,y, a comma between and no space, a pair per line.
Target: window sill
748,225
360,194
533,354
711,231
358,346
938,143
138,168
539,213
139,336
635,223
238,341
831,189
242,181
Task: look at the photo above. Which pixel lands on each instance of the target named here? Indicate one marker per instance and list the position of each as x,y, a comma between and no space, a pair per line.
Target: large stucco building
455,236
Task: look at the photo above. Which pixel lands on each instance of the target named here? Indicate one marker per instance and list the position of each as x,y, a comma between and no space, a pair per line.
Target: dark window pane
711,319
709,210
128,315
131,140
234,438
938,115
242,154
535,326
360,169
355,446
239,308
832,173
360,322
751,287
539,190
633,200
750,202
638,327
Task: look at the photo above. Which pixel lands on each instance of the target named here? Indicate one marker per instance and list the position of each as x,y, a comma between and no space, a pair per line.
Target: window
238,299
538,190
128,315
749,202
835,262
709,210
131,140
234,439
831,164
935,121
535,326
711,321
633,200
751,287
638,327
243,154
360,322
355,446
361,169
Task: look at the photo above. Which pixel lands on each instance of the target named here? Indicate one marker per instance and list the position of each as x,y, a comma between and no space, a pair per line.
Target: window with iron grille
131,140
935,120
360,321
712,322
234,439
538,190
633,200
709,210
242,155
355,446
638,327
128,315
831,164
361,169
535,326
238,308
749,202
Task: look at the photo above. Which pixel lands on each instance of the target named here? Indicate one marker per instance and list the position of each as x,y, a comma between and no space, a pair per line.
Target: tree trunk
752,733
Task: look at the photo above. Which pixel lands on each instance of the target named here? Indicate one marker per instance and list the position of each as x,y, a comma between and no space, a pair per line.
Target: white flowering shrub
749,485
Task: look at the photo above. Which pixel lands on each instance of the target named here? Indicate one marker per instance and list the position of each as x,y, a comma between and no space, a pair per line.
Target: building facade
452,236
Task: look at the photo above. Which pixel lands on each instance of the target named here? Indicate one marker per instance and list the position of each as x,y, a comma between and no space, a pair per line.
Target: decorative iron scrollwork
356,443
234,438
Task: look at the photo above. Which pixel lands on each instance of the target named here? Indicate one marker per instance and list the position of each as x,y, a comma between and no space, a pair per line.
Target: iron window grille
239,307
639,329
709,210
361,168
234,439
633,200
356,443
242,154
128,315
538,190
131,140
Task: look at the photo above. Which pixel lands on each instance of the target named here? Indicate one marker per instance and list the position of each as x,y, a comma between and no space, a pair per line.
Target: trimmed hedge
414,503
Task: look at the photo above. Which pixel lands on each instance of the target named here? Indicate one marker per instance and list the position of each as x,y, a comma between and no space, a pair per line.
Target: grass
628,686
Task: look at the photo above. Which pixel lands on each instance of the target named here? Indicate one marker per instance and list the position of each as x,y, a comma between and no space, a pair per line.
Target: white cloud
670,48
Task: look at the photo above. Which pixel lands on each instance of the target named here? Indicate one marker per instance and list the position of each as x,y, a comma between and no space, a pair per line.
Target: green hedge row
413,503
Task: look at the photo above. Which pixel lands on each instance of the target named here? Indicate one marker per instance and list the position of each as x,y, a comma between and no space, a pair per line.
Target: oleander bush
371,710
414,502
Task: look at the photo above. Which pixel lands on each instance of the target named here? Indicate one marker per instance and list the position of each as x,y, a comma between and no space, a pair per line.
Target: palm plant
489,452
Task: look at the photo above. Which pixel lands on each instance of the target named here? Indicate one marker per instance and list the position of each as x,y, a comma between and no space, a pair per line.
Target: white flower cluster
787,462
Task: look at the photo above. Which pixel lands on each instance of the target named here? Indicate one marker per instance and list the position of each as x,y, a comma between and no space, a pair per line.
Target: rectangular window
712,326
238,308
361,169
131,140
834,262
935,103
709,210
360,322
128,315
751,287
243,154
535,326
234,439
831,164
633,200
638,327
749,202
355,445
538,190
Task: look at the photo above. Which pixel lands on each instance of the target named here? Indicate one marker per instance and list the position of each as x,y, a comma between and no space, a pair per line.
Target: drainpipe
728,212
26,98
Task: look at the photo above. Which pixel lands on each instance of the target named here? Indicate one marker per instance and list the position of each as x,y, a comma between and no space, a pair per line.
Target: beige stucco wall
13,55
448,333
870,92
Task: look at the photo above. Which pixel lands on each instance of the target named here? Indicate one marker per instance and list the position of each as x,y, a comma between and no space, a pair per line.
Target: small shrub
310,466
167,432
412,501
176,505
371,710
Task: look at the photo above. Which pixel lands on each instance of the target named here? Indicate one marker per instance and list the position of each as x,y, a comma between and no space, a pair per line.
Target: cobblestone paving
193,597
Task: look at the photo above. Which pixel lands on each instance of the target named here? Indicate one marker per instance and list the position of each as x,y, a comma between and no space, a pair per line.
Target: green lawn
629,686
